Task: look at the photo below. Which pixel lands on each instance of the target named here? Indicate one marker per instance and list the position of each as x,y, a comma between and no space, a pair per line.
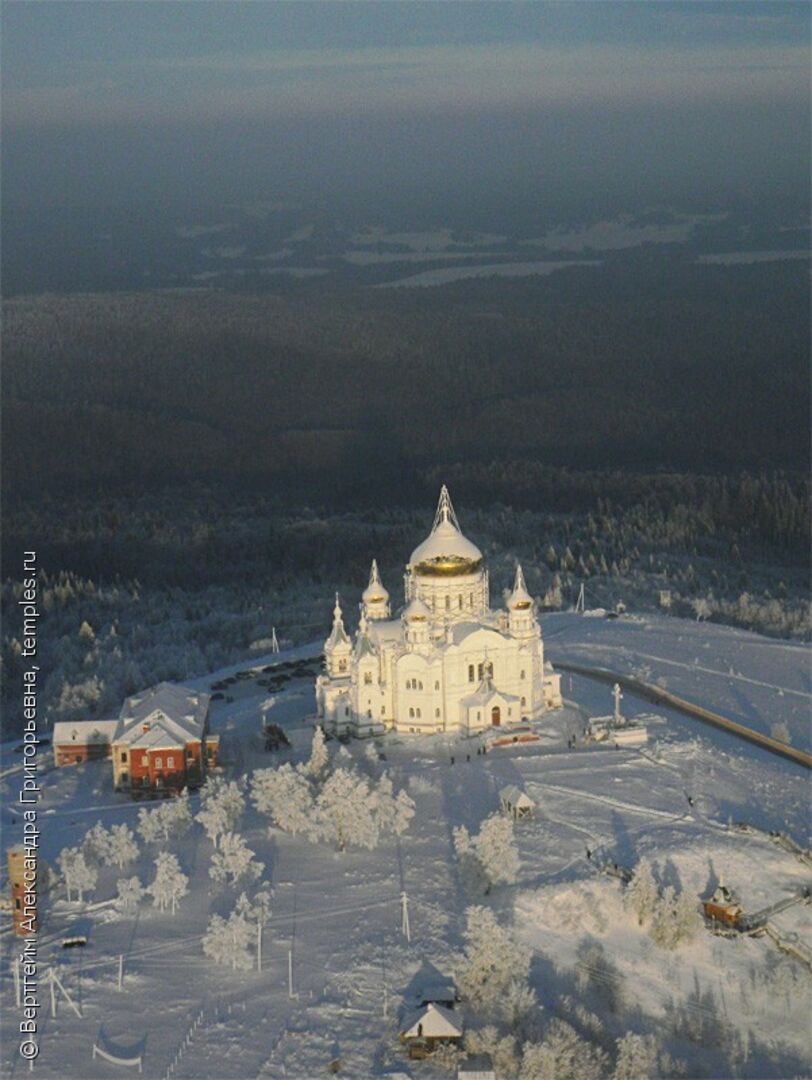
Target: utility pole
259,945
580,603
120,970
274,641
405,929
290,975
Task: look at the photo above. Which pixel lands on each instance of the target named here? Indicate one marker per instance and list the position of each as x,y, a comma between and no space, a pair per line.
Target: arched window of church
437,685
369,714
470,673
420,686
368,678
342,665
437,713
418,714
383,710
480,669
448,603
524,702
523,674
411,713
459,601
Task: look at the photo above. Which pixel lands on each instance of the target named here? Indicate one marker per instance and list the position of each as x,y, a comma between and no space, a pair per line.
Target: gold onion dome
416,611
520,599
375,593
445,552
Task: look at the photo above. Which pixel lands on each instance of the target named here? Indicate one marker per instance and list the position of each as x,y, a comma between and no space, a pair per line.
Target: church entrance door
496,716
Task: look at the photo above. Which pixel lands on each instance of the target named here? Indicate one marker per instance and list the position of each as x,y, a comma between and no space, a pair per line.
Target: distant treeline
655,364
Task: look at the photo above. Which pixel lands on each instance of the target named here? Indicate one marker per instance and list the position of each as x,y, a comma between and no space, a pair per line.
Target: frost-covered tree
130,893
170,883
345,811
319,756
123,845
86,633
285,795
257,912
149,825
392,812
98,844
496,850
493,959
676,918
642,892
637,1058
518,1005
222,807
233,860
500,1048
563,1053
228,941
80,877
491,857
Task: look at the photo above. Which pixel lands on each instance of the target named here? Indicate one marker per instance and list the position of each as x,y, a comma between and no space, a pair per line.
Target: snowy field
721,1006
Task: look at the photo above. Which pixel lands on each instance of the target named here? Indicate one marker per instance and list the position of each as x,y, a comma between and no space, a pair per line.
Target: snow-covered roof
416,611
385,630
477,1067
515,796
433,1022
84,732
462,630
180,711
485,694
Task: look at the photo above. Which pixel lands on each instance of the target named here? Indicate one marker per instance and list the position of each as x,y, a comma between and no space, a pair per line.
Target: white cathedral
448,662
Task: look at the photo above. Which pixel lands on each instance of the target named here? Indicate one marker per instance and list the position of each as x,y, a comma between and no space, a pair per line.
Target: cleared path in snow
665,697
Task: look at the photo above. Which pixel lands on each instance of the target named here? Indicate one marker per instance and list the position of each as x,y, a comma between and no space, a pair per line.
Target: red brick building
162,743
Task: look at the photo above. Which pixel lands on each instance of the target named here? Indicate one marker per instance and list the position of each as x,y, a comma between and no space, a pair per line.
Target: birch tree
170,883
233,860
285,795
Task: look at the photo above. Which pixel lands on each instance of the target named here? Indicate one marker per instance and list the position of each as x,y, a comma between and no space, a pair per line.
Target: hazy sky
77,63
106,99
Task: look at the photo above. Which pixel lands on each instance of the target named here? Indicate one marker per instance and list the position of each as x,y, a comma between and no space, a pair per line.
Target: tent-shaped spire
445,511
338,635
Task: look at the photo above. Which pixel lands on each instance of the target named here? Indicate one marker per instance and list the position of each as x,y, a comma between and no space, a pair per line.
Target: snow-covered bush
97,844
170,883
285,795
233,860
79,876
130,893
491,857
493,960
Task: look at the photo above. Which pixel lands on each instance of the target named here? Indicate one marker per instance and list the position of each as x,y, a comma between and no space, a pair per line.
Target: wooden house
428,1028
723,906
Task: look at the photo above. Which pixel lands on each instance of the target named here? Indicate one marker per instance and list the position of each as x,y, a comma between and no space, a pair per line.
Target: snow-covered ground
338,916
